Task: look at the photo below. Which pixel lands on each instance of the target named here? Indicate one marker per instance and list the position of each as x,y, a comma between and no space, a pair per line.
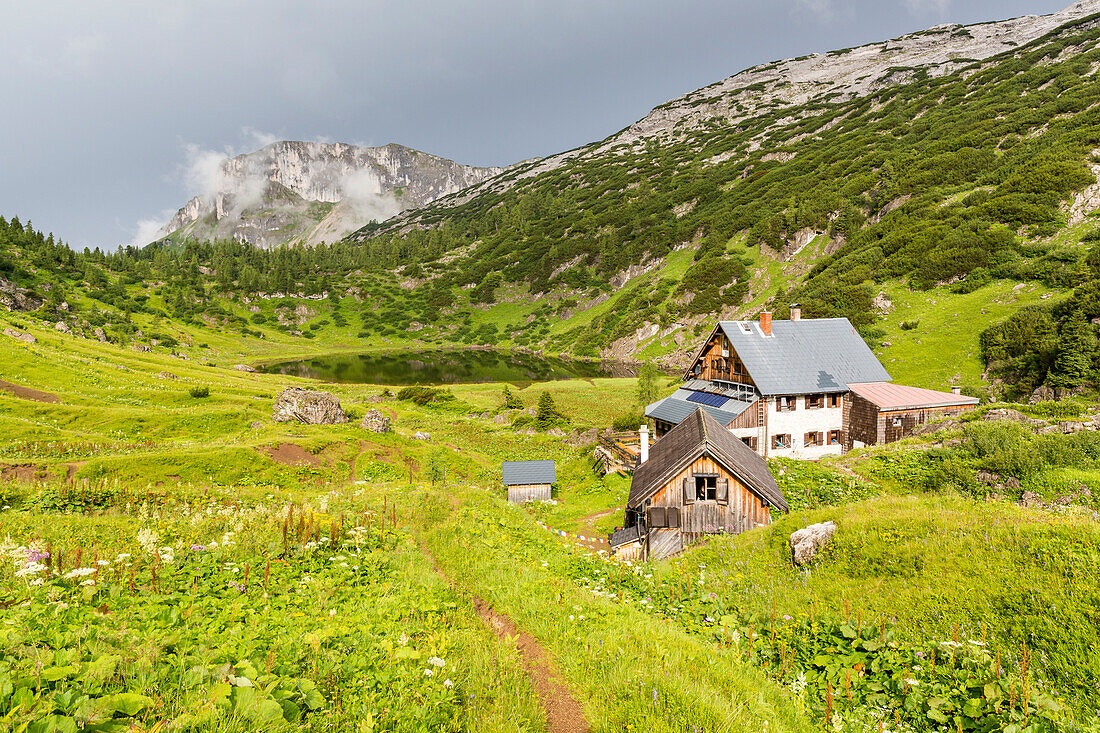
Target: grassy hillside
125,451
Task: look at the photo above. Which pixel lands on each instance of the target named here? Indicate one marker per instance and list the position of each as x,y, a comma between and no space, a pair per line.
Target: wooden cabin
699,479
529,480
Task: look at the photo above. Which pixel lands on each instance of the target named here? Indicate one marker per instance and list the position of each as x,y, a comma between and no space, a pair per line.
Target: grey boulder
806,542
310,406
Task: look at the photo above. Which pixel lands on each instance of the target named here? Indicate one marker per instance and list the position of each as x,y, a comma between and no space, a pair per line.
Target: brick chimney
766,322
796,312
956,390
643,433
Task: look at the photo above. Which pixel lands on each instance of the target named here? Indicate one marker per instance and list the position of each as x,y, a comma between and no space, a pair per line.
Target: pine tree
511,401
546,414
1073,359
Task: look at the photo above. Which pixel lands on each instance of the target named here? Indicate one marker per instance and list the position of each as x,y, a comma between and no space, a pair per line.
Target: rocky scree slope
293,192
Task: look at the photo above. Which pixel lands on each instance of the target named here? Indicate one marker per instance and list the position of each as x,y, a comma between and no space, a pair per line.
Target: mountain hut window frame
814,438
706,486
815,401
781,441
897,421
835,437
834,400
786,403
750,441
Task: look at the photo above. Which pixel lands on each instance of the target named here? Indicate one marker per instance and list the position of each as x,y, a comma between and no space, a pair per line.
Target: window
834,400
813,438
750,441
781,441
897,422
785,404
815,401
660,516
834,437
706,487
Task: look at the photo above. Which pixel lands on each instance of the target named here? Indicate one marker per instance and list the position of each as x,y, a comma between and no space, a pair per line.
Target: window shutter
657,516
689,490
722,492
672,516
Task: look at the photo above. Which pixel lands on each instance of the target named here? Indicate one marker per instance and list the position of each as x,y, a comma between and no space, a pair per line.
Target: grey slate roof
804,356
698,435
676,407
529,472
625,536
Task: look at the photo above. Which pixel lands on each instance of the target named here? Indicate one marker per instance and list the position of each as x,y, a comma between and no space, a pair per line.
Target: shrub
909,325
420,395
199,392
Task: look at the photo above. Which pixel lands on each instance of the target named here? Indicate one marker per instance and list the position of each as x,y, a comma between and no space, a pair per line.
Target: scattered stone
583,440
1031,499
1007,413
1012,483
1042,393
308,406
99,334
12,333
245,368
556,432
1064,500
934,427
167,375
882,304
807,541
989,478
141,347
376,422
28,338
501,419
421,435
63,327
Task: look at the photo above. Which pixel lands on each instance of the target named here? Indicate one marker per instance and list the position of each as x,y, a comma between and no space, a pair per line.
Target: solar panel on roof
707,399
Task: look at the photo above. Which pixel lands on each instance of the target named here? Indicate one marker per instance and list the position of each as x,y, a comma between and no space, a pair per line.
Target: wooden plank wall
528,492
750,418
744,511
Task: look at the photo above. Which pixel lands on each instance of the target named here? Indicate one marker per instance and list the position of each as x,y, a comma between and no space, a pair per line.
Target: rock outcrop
245,368
806,542
310,406
421,435
268,197
375,422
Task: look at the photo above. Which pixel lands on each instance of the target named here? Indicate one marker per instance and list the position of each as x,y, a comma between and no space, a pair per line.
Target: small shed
529,480
700,479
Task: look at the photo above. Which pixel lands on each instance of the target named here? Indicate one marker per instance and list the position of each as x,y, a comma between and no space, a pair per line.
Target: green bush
199,392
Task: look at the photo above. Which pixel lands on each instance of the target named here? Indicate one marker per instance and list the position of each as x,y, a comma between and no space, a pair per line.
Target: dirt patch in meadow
72,468
292,454
27,393
21,472
563,712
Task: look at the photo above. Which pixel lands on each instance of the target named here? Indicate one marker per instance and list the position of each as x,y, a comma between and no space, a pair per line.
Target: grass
949,326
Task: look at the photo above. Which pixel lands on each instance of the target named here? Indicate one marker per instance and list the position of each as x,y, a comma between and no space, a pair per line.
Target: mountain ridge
270,196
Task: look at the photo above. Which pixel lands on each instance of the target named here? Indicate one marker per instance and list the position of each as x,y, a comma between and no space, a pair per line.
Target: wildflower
78,573
122,557
89,581
101,563
198,548
428,672
448,684
403,639
148,539
436,662
911,682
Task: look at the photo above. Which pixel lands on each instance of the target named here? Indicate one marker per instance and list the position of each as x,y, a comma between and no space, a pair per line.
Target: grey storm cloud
113,108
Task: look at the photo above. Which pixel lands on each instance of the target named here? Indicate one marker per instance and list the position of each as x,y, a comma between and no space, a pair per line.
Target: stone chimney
796,312
956,389
643,433
766,322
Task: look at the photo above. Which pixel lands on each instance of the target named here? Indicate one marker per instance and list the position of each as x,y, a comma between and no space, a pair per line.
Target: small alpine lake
445,366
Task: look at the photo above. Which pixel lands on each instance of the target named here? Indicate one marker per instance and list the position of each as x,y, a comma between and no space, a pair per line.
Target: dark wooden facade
734,509
720,362
866,423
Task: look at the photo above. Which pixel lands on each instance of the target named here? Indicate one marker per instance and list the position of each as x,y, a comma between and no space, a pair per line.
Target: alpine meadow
777,410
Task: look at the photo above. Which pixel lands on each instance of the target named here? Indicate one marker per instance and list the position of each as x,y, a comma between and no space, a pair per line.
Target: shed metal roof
699,435
676,407
887,396
517,473
625,536
804,356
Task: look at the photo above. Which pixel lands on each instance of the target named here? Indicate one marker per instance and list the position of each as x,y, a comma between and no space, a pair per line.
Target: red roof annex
888,396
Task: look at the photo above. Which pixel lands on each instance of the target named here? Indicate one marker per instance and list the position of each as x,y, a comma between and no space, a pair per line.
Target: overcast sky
106,102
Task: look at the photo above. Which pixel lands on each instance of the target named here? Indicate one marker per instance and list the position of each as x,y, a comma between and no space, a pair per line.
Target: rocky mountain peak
293,191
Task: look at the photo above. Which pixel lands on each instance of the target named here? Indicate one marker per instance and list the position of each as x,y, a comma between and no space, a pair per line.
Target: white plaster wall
800,421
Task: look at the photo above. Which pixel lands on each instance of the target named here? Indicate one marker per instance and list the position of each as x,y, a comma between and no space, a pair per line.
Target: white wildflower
428,672
78,573
448,684
436,662
149,540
